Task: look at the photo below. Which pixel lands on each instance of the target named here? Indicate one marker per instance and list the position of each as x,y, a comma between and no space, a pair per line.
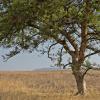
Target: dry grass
51,85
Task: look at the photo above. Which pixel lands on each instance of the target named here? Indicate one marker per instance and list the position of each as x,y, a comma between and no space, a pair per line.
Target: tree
71,25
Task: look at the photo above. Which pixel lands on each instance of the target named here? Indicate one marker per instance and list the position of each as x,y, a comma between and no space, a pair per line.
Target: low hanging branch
66,65
50,50
11,54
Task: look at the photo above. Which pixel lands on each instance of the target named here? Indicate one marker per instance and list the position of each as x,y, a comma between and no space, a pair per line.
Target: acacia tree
73,26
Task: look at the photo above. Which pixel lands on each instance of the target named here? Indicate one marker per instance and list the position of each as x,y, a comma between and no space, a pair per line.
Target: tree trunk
81,85
79,72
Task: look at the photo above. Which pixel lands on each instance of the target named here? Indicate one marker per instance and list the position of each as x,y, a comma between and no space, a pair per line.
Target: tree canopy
25,24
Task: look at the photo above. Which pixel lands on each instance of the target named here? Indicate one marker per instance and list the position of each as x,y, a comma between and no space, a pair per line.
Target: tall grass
48,85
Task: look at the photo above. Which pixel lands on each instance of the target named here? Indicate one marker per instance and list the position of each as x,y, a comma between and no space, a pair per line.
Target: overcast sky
26,61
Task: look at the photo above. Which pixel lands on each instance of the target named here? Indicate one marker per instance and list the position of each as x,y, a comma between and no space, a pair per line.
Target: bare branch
86,71
66,65
94,33
50,50
96,52
94,39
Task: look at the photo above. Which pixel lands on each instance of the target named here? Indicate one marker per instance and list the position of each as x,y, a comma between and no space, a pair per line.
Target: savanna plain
46,85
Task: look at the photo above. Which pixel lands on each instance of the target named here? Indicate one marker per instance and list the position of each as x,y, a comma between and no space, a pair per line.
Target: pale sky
29,61
24,61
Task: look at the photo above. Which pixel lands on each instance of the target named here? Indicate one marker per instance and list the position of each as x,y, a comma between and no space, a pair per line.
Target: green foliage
24,24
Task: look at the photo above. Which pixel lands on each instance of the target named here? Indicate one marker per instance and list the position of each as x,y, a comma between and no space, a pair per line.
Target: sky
24,61
29,61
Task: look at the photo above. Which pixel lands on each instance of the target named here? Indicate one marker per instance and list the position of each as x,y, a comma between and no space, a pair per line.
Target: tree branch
71,40
94,33
50,50
96,52
63,43
86,71
11,54
94,39
66,65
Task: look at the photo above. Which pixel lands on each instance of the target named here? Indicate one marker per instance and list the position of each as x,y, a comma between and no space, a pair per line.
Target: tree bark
79,74
80,82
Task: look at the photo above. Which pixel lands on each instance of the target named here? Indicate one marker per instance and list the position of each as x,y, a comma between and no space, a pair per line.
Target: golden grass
48,85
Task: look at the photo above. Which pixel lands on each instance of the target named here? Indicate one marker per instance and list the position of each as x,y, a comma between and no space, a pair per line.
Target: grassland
48,85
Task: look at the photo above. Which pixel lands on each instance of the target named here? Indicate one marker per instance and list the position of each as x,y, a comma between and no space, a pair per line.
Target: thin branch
94,39
96,52
66,65
96,33
86,71
11,54
50,50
